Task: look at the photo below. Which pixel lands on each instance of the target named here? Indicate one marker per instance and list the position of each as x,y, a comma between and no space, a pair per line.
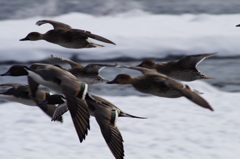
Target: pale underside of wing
70,62
60,110
49,109
97,67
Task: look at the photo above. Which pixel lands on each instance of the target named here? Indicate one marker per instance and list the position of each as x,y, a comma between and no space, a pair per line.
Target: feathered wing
144,71
106,122
80,115
56,25
70,62
60,110
85,33
188,93
49,109
193,60
33,85
98,67
110,132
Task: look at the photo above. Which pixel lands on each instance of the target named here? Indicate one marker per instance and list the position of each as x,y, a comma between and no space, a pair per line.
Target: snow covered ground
175,128
136,33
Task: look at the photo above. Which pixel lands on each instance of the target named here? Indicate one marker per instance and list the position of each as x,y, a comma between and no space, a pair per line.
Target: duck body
160,85
177,71
20,93
106,115
65,36
17,93
63,82
69,39
151,84
184,69
89,74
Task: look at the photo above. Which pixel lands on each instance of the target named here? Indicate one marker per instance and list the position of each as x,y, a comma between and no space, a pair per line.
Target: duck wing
192,61
97,67
56,25
144,71
186,91
70,62
49,109
107,124
80,115
60,110
33,85
85,33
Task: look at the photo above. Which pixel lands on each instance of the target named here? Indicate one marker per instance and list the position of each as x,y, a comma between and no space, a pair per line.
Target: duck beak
238,25
140,65
113,82
6,74
24,39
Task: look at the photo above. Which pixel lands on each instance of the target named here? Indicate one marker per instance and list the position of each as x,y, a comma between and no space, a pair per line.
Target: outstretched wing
70,62
144,71
97,67
85,33
109,130
80,115
186,91
56,25
193,60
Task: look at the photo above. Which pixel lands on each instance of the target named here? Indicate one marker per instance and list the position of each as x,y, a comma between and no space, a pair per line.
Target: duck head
121,79
33,36
16,70
147,64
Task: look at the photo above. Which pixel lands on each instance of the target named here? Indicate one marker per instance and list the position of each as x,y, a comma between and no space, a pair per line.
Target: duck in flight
183,70
88,74
106,115
60,81
20,93
152,82
66,36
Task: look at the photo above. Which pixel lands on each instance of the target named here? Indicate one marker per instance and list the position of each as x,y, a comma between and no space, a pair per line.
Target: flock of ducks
71,85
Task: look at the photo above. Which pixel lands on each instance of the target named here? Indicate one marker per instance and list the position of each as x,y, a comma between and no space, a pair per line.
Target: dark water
224,71
25,8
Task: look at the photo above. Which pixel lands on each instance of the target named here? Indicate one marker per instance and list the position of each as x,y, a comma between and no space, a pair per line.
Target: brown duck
160,85
184,69
66,36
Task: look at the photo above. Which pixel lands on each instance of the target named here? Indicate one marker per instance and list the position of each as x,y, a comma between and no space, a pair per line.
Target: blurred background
160,30
25,9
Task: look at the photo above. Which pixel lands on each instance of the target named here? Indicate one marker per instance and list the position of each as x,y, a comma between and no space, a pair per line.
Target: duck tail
207,77
122,114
